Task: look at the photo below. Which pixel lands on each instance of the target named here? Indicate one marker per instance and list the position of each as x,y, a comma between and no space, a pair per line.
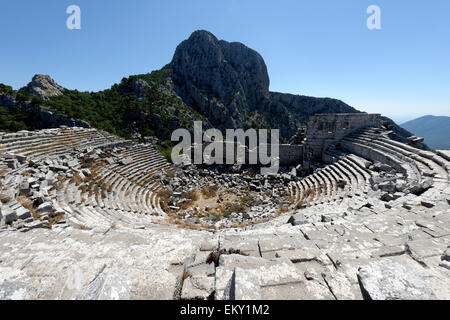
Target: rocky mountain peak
223,77
44,87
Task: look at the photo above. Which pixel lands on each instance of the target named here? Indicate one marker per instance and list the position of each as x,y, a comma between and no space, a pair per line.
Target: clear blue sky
315,47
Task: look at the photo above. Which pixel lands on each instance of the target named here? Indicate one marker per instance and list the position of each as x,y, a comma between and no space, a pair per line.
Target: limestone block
386,280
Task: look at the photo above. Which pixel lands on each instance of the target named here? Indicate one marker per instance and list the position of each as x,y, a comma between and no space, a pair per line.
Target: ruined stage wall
326,129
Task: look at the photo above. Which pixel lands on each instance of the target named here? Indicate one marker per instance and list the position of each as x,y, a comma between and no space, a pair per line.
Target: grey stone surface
110,284
13,290
244,286
384,280
197,288
9,215
45,207
298,219
44,87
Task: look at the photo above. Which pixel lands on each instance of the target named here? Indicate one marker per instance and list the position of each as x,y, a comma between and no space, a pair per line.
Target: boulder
45,207
23,213
21,159
24,189
58,168
12,163
325,218
427,204
298,219
8,215
386,197
446,255
387,186
401,185
71,163
418,188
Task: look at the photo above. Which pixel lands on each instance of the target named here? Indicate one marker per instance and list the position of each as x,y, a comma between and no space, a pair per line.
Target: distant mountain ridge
435,130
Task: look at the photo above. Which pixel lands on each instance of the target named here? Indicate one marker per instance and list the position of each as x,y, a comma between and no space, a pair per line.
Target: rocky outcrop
221,79
44,87
229,84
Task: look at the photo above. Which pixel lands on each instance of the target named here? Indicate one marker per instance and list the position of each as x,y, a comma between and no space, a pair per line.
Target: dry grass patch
170,172
28,204
210,192
54,218
5,199
310,193
190,196
76,179
228,208
164,199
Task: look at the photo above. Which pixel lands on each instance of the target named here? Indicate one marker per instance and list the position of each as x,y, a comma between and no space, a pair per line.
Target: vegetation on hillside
118,110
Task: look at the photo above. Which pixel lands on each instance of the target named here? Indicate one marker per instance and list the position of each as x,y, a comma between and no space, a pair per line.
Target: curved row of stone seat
92,212
37,144
145,160
423,159
354,168
125,191
346,177
366,149
430,164
129,190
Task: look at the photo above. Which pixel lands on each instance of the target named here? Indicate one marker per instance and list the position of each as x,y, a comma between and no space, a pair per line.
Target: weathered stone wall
324,130
291,154
288,154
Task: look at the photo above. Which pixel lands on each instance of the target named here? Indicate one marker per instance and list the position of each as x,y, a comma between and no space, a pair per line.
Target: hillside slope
435,130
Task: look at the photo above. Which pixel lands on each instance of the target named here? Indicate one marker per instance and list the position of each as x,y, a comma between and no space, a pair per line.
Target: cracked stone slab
388,251
110,284
386,280
270,245
269,272
421,249
304,255
341,287
245,285
197,288
245,245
